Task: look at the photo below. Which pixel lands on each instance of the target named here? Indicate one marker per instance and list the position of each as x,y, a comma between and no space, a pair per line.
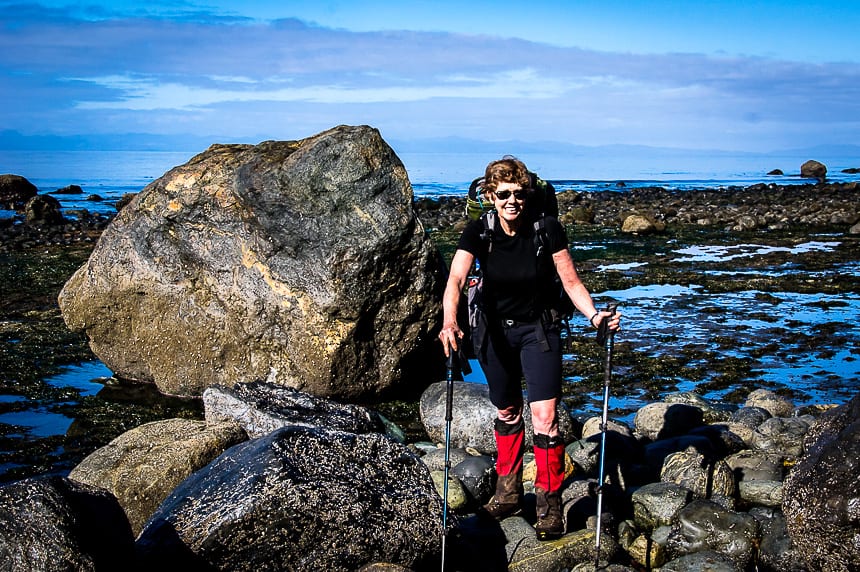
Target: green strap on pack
475,205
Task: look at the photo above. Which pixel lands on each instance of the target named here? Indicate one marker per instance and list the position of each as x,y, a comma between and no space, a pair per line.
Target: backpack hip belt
539,326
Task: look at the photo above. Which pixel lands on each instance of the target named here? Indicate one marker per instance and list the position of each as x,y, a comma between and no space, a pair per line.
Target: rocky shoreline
762,206
85,229
757,207
691,485
748,529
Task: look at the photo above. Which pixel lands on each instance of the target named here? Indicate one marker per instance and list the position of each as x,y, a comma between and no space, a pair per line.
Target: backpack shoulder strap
489,220
541,238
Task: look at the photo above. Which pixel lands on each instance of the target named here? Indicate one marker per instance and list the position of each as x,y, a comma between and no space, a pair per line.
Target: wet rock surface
142,466
699,515
822,493
705,525
54,524
260,408
292,498
291,501
15,191
43,210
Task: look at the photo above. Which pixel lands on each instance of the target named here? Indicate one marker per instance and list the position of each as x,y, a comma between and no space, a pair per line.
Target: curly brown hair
508,169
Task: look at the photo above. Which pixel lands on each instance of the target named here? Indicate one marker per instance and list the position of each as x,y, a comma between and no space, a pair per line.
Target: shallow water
83,380
779,340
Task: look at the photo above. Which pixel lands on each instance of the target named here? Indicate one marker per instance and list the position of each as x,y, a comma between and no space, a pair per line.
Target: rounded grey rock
656,504
477,475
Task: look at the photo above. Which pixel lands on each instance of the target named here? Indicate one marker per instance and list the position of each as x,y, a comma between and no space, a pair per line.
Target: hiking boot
508,499
550,523
549,457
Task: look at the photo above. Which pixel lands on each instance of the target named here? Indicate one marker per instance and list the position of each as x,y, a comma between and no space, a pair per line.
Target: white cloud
241,78
150,93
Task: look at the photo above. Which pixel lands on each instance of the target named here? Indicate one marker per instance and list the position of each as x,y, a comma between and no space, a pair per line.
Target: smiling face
508,181
509,200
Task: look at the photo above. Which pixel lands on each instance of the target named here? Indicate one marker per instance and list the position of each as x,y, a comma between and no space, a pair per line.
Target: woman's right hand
450,336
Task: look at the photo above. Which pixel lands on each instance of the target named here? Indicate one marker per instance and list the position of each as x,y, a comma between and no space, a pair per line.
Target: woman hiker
520,339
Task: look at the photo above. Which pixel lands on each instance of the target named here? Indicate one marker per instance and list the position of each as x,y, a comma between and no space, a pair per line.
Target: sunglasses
519,195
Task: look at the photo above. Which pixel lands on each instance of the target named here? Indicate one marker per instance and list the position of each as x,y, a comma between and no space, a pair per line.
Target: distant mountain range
15,141
463,145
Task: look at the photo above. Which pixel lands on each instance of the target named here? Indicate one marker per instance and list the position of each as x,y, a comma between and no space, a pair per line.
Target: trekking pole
606,337
449,405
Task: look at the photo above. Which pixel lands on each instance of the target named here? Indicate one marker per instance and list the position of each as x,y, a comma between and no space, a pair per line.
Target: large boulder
299,498
142,466
54,524
822,492
298,262
15,191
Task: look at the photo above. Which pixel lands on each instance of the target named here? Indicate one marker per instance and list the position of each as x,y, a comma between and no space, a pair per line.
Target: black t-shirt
517,282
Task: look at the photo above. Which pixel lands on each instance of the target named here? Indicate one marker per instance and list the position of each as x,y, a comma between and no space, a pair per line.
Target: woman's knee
544,417
511,414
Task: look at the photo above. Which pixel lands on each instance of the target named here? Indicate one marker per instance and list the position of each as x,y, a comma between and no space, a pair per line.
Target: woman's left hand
614,320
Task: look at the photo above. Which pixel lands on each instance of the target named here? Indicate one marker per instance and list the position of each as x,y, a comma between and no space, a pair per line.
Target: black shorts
513,352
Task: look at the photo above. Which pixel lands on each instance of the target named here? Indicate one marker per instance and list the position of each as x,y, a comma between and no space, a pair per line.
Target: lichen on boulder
298,262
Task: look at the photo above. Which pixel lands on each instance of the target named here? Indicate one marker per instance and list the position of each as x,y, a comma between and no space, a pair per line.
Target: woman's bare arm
461,265
577,291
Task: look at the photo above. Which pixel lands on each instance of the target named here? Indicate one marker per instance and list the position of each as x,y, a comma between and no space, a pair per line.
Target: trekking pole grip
449,397
604,334
449,405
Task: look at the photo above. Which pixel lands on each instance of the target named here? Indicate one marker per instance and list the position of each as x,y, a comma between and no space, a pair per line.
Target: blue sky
748,76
